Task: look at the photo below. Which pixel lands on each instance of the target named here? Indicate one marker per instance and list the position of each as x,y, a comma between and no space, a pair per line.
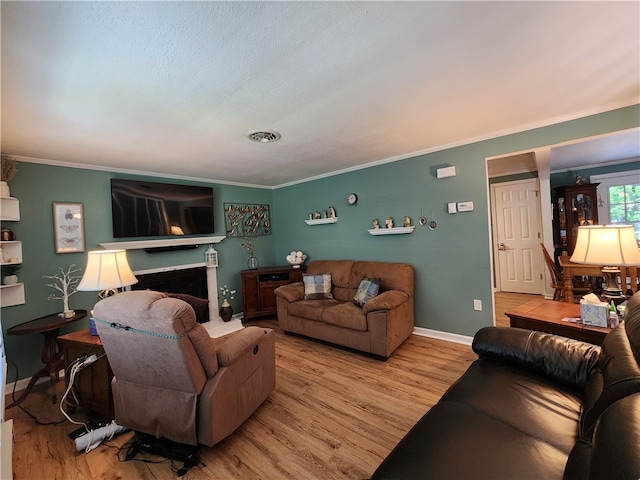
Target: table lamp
106,271
611,246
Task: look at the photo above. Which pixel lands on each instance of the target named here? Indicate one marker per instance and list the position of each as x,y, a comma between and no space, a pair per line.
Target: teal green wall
561,179
37,186
452,263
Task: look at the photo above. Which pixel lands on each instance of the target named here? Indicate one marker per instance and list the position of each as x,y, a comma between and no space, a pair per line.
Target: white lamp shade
107,269
613,245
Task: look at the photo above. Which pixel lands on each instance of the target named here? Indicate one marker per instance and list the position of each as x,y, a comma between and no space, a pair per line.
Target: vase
253,263
226,311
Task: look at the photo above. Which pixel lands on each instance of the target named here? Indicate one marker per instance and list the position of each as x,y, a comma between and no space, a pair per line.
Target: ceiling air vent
264,137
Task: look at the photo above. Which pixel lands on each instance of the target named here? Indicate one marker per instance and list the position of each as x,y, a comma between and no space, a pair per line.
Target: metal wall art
246,220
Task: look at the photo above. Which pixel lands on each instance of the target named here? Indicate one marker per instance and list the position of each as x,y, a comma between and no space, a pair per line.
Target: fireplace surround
192,279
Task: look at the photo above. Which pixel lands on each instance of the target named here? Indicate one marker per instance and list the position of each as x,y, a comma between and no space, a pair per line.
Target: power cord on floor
13,397
91,437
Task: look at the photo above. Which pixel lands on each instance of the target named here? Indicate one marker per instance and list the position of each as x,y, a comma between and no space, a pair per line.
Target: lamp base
612,292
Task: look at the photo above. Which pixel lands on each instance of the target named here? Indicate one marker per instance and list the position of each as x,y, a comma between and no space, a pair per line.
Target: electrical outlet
477,304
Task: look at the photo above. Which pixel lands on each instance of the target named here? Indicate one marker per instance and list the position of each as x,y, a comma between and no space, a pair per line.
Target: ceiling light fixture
264,137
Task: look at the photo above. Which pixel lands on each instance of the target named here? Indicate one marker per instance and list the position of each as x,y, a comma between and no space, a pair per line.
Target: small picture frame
68,227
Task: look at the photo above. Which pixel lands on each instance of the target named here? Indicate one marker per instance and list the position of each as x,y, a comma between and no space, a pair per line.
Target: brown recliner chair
171,380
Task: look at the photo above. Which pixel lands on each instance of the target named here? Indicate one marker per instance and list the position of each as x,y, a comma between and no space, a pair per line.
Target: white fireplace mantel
169,242
216,327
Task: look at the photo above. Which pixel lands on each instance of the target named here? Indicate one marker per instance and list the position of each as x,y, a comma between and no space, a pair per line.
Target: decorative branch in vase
65,283
8,169
248,245
226,310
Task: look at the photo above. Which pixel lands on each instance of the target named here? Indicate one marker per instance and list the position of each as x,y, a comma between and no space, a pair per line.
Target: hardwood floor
505,301
334,414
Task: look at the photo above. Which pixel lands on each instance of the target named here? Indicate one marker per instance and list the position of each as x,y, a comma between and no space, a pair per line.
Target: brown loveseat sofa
379,327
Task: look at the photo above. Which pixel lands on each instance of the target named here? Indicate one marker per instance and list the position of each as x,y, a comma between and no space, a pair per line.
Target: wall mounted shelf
391,231
11,252
10,209
321,221
169,242
11,295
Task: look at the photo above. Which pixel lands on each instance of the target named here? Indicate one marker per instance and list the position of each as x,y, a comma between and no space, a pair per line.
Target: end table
93,383
49,326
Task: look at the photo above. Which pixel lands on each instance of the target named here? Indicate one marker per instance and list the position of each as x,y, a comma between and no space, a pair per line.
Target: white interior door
516,237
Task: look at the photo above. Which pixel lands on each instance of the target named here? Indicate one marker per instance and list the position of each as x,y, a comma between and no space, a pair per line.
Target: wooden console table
570,270
546,316
258,299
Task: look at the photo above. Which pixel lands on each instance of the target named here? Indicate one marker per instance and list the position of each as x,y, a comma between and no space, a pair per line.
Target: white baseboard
438,335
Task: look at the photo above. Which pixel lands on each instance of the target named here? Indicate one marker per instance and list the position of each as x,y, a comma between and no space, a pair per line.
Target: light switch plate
452,207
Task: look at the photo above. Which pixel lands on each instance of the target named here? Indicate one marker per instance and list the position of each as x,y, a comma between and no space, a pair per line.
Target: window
619,199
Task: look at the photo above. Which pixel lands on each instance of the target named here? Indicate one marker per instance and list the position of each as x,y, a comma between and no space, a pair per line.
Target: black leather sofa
533,406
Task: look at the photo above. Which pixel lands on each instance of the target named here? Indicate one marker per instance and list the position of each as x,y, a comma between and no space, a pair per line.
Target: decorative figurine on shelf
311,216
318,216
325,214
376,223
406,222
580,180
388,222
332,212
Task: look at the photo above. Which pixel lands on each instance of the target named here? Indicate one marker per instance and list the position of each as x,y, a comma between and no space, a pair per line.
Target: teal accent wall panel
452,263
561,179
37,186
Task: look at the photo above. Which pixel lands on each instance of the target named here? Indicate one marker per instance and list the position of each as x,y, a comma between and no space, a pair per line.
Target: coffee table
546,316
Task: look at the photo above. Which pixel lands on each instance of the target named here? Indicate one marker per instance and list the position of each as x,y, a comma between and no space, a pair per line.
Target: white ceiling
175,87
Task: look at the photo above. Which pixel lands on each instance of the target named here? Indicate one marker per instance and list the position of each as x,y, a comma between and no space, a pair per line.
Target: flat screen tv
149,209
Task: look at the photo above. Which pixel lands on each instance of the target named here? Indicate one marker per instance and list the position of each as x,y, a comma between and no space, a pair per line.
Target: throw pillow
199,305
368,288
317,287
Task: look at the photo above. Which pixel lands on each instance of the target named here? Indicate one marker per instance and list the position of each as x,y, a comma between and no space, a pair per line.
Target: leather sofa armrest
292,292
567,361
385,301
239,344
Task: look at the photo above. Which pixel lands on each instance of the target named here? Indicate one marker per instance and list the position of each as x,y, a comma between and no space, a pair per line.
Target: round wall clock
352,199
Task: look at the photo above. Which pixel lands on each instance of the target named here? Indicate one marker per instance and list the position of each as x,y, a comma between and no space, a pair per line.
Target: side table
93,383
49,326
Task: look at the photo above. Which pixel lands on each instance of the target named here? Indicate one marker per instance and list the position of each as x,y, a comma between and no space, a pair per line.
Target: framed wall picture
68,227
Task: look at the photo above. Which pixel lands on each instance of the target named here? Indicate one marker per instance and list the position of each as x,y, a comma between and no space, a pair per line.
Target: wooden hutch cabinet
575,205
258,299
